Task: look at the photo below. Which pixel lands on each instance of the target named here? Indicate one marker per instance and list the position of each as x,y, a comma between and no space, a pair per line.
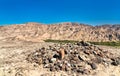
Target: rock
45,61
57,68
80,71
79,65
61,53
94,52
73,58
93,66
71,50
67,68
87,52
46,74
100,49
19,74
40,61
73,65
52,69
43,48
54,49
63,67
68,64
53,60
83,57
76,52
97,60
74,69
50,47
86,71
76,58
56,56
66,52
116,61
100,54
46,66
83,43
79,44
73,61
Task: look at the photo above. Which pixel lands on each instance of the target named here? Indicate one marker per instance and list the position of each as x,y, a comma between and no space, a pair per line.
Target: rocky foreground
52,59
79,58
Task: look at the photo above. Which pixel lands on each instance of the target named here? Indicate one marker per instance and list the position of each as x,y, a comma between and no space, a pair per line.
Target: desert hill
61,31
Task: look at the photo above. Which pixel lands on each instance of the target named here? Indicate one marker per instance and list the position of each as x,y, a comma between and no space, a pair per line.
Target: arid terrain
37,32
23,51
13,61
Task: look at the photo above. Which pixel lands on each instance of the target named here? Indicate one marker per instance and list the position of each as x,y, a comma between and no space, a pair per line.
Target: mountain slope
63,31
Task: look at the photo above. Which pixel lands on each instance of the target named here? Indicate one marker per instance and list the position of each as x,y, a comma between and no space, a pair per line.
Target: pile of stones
81,57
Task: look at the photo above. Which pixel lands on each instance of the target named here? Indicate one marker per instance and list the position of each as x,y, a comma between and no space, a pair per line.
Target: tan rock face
62,31
62,53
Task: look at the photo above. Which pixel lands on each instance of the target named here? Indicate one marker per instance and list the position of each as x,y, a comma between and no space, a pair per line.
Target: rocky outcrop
80,58
63,31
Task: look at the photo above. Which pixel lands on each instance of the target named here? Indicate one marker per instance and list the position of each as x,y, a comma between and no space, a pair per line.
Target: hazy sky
54,11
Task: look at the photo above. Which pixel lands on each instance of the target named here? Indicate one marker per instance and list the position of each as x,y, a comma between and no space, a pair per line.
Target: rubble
116,61
81,58
93,66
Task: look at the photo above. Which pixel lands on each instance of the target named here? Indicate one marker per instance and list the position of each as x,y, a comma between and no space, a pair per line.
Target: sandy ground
13,63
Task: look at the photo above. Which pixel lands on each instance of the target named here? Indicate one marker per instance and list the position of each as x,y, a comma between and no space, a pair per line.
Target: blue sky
54,11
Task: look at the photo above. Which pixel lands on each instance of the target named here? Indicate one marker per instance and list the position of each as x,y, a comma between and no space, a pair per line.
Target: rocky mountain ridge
37,32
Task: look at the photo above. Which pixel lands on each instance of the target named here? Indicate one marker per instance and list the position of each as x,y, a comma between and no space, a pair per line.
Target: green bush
60,41
95,43
106,43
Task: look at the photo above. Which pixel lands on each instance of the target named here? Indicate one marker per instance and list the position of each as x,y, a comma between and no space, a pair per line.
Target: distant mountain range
61,31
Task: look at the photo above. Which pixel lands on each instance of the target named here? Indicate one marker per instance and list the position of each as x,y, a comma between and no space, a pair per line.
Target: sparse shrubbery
95,43
60,41
106,43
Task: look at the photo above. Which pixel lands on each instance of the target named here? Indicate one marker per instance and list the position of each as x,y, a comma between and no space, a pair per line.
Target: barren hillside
62,31
23,52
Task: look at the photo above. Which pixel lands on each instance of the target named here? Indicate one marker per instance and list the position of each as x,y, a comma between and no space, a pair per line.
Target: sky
94,12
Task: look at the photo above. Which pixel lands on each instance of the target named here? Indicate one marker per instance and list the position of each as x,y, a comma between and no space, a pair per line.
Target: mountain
37,32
